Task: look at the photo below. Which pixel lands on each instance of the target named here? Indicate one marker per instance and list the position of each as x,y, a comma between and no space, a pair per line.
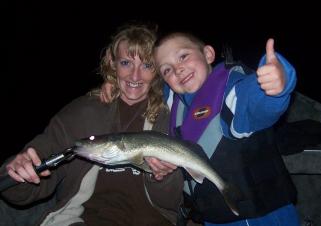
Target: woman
86,193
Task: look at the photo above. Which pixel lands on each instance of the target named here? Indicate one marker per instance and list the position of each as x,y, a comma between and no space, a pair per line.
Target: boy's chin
191,90
186,90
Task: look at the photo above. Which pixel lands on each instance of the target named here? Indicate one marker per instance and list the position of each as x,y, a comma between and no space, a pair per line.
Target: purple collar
206,105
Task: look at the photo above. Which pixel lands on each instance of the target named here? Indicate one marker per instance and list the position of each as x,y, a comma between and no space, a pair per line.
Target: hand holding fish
21,168
159,168
105,92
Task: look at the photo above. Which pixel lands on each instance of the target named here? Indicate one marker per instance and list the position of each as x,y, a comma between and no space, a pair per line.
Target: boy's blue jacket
231,118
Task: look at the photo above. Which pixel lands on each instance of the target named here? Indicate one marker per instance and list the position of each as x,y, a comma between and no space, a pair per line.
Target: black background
53,48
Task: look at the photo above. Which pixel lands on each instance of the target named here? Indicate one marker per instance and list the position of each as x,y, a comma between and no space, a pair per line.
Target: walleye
131,148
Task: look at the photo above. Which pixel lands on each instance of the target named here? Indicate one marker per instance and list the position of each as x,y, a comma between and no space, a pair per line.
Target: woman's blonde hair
140,40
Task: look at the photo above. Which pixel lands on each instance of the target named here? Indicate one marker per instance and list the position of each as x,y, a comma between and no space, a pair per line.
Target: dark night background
53,49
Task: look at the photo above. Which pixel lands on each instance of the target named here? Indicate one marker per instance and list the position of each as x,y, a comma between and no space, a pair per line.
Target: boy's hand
271,75
105,92
160,168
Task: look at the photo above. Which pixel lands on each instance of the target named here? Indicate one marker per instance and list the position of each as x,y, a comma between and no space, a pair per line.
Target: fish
131,148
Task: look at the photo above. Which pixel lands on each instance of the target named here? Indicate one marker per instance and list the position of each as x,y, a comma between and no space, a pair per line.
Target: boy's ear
209,54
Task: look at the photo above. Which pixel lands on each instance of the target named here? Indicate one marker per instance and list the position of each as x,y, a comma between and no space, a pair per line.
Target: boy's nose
179,70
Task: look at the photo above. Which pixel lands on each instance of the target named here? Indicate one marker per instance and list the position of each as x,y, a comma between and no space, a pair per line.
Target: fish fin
198,177
121,145
145,167
139,162
230,194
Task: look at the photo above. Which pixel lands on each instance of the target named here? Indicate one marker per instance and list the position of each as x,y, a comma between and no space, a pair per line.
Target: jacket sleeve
57,136
251,108
49,142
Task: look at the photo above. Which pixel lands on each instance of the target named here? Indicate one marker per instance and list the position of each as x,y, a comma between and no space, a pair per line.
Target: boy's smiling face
183,64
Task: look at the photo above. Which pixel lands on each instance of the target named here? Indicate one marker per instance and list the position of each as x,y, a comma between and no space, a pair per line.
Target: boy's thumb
270,53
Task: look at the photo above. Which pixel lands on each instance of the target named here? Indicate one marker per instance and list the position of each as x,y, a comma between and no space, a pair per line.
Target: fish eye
91,138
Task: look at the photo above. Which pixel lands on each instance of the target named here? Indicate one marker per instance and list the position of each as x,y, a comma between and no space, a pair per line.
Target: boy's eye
166,71
183,56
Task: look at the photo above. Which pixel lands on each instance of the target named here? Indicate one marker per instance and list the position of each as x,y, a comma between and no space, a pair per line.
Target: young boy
230,114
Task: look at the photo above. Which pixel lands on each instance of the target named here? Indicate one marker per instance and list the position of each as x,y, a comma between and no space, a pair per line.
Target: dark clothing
254,166
233,125
124,205
84,117
133,208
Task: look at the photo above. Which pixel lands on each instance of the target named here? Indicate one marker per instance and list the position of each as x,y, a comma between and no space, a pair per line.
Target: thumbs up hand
271,76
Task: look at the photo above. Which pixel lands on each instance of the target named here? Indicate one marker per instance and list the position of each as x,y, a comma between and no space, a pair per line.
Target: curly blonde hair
140,41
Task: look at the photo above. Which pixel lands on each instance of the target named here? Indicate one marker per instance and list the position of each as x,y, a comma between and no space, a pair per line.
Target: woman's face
134,76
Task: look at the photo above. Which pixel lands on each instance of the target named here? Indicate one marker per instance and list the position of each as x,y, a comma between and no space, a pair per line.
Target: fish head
105,149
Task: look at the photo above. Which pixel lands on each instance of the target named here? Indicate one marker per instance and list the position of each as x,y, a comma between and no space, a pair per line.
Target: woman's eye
124,62
148,66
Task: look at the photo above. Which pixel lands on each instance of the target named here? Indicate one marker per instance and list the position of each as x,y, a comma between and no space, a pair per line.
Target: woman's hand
160,168
21,168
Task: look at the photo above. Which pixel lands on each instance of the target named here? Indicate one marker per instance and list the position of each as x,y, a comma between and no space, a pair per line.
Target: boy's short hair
165,37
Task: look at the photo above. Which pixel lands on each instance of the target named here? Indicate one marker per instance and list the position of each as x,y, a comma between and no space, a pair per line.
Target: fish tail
231,194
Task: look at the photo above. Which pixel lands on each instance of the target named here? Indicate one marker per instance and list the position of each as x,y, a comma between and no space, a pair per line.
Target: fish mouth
81,151
87,154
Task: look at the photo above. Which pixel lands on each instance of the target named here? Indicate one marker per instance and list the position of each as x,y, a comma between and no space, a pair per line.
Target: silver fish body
131,148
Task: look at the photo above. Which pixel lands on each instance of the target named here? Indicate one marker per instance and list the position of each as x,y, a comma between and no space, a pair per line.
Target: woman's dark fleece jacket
83,117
